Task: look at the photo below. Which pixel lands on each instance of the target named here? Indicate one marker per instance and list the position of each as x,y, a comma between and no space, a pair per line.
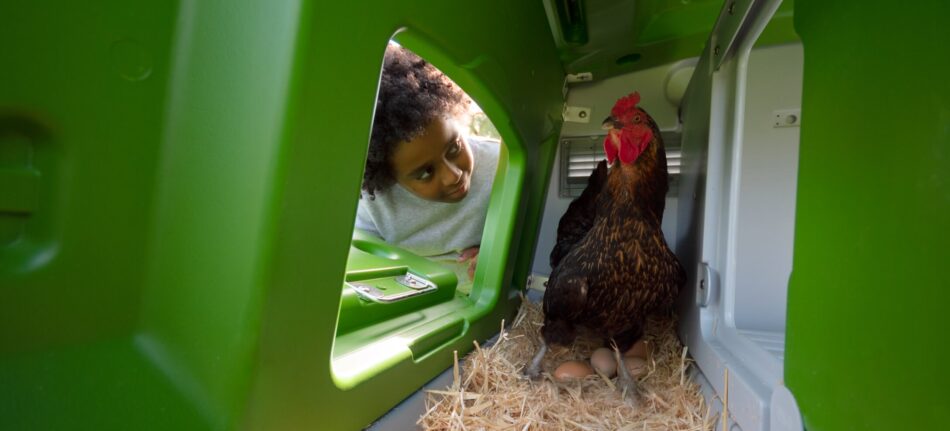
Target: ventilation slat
580,156
585,166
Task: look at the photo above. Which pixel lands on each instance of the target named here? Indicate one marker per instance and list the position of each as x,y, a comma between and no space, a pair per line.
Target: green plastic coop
179,181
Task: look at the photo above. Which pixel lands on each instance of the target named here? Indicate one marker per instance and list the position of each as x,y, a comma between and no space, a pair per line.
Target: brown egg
637,367
640,349
603,361
573,370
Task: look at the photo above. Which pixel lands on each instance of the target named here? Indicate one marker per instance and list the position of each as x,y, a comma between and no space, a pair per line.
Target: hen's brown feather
579,217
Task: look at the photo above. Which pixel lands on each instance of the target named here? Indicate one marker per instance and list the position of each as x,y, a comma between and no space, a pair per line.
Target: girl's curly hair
412,93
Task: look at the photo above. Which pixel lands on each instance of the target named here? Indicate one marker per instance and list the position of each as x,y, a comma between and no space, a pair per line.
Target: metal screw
582,114
716,50
732,8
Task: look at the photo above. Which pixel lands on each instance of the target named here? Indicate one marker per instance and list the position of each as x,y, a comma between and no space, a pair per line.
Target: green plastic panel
180,181
867,319
656,32
631,35
509,66
87,128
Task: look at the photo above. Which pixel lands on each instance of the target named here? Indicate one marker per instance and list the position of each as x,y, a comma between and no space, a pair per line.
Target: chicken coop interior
179,183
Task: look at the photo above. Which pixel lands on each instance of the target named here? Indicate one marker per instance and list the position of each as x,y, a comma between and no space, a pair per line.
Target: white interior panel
736,213
768,165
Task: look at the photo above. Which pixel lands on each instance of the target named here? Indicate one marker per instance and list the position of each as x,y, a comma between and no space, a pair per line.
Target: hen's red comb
625,104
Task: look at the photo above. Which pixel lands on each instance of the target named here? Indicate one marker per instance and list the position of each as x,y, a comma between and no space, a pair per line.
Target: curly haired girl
425,187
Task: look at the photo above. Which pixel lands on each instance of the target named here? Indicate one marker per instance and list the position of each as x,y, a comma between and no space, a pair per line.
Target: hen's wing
579,217
565,301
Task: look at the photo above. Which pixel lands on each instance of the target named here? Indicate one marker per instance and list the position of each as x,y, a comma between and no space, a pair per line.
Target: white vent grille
580,155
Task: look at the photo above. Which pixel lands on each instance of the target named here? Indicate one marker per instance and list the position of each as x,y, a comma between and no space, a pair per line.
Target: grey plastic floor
405,415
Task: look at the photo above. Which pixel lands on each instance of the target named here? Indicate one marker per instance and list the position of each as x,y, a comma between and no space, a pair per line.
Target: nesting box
179,181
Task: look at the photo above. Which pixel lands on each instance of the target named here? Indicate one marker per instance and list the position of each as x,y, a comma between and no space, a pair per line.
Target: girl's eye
425,175
456,147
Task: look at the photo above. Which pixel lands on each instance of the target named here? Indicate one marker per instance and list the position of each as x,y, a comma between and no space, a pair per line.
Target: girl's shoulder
485,150
485,144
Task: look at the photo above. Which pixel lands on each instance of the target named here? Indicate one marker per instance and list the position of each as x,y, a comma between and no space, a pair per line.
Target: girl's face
436,165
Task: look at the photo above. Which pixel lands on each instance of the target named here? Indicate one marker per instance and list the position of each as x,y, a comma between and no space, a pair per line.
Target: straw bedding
489,391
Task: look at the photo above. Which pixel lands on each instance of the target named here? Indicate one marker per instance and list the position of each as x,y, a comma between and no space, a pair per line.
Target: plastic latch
787,118
707,284
576,114
573,78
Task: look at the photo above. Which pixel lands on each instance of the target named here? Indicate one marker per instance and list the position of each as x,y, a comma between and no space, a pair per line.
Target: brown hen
621,270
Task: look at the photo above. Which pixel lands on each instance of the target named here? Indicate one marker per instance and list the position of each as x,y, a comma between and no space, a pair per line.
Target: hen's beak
610,123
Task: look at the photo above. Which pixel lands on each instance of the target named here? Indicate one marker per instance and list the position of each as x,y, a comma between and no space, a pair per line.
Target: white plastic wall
736,220
600,96
767,175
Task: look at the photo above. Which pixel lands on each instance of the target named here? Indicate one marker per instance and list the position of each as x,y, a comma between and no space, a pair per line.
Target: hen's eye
636,119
